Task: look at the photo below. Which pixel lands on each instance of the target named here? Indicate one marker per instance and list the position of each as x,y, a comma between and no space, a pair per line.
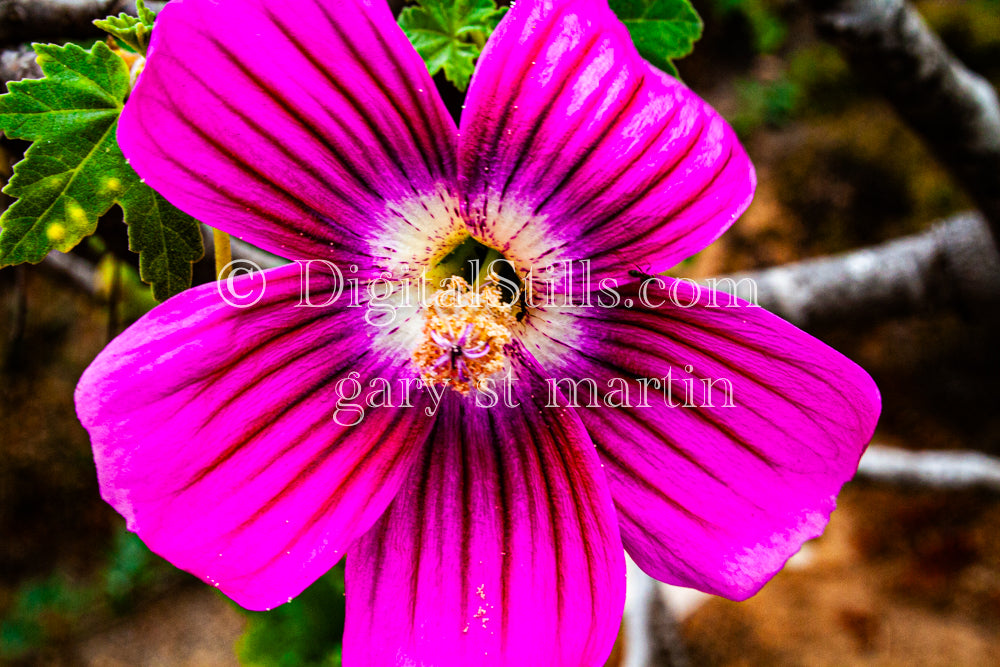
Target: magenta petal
502,548
289,124
216,433
573,147
718,498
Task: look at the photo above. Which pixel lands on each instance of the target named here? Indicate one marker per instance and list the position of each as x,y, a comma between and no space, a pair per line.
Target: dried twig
952,264
954,110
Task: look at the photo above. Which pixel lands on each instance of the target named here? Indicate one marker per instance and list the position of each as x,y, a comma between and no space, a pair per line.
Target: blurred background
908,572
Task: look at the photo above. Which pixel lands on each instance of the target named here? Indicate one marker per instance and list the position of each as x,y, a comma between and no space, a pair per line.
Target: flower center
464,335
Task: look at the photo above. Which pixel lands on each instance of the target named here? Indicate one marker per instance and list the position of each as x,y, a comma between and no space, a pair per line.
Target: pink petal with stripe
288,124
501,549
573,147
719,493
223,434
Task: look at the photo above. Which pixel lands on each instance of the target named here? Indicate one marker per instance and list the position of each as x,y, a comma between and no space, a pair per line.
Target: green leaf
663,30
450,34
769,30
306,632
168,241
130,30
74,171
146,15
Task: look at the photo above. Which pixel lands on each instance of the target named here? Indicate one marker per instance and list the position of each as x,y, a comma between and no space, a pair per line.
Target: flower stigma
464,335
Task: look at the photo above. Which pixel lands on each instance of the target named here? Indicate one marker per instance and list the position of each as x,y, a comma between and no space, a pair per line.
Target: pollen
464,335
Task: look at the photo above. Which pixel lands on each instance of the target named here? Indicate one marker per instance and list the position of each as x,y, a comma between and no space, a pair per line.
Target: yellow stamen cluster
465,332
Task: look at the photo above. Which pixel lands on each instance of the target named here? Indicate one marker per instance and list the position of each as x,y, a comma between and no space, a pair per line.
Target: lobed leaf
450,34
74,171
168,241
663,30
131,30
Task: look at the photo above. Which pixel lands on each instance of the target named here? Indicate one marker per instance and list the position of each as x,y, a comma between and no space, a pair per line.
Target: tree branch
652,638
942,470
953,109
17,64
78,271
45,20
954,263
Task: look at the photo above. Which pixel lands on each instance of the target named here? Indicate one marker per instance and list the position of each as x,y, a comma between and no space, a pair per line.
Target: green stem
478,38
484,269
223,254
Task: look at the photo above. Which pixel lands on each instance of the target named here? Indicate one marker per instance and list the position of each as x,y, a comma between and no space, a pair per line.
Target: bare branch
953,263
649,645
17,64
23,21
81,273
45,20
652,638
953,109
942,470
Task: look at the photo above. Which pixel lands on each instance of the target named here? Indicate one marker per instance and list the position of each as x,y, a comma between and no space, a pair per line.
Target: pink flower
473,535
